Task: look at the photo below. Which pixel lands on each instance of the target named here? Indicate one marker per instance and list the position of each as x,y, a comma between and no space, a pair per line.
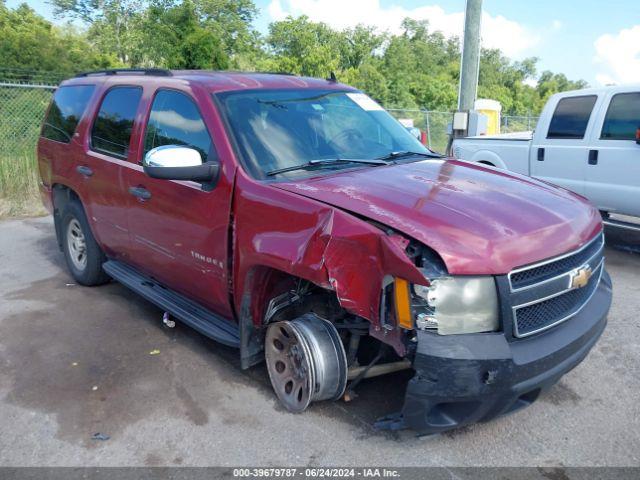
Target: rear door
613,174
179,232
107,149
559,155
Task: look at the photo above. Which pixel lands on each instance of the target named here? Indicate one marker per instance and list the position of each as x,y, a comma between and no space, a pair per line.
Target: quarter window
112,128
67,107
623,117
176,120
571,117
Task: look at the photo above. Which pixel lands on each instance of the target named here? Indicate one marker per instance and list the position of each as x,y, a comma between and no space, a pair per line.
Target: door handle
84,170
541,154
593,157
140,192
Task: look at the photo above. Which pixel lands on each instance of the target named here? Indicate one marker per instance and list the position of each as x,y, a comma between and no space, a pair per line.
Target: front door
179,231
613,174
560,155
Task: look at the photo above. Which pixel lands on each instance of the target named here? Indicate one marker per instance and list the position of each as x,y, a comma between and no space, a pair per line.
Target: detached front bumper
463,379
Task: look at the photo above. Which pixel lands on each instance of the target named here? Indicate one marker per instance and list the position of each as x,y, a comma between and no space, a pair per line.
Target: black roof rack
241,72
274,73
154,72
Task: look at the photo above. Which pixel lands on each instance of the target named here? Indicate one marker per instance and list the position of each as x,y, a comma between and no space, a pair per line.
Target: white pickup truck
587,141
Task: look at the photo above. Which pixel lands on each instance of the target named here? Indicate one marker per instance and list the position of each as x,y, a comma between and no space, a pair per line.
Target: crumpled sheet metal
316,242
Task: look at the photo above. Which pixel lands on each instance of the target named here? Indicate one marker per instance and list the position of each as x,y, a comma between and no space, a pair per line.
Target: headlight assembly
456,305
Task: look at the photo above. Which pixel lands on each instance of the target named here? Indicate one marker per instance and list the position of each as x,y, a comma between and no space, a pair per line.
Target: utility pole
469,71
470,63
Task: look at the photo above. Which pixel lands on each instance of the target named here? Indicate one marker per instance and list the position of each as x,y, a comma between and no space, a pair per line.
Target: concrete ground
76,361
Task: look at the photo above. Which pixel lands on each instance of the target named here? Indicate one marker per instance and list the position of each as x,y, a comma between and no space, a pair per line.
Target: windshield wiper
329,161
303,99
407,153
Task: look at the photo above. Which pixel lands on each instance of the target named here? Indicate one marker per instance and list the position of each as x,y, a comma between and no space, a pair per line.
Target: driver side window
176,120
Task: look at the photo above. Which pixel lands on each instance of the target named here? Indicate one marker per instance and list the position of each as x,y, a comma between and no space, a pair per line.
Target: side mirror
638,135
176,162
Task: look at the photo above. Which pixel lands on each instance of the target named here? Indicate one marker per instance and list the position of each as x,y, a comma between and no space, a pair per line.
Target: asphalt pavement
77,361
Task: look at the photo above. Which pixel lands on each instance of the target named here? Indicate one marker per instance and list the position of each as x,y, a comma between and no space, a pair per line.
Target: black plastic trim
182,308
463,379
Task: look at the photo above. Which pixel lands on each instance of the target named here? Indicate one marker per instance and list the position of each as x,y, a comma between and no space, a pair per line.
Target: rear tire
81,251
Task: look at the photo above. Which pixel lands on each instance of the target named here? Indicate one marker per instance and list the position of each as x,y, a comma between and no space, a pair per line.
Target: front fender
287,232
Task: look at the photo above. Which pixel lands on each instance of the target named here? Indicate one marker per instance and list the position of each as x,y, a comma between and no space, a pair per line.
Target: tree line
416,68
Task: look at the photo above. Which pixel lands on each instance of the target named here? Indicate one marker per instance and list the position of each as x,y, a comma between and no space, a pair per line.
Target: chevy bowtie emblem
580,276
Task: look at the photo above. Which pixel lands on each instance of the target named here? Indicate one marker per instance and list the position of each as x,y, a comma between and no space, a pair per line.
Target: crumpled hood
480,220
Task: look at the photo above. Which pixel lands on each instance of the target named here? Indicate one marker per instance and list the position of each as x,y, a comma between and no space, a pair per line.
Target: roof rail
275,73
241,72
154,72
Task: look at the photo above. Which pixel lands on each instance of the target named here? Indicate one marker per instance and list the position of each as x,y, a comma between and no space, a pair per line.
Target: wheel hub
76,244
306,361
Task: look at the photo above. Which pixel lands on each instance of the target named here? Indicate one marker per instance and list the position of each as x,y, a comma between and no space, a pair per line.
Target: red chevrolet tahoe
295,219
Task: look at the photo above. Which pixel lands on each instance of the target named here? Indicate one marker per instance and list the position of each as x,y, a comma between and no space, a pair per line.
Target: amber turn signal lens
402,300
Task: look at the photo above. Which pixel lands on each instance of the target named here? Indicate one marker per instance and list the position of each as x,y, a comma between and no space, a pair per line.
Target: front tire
81,251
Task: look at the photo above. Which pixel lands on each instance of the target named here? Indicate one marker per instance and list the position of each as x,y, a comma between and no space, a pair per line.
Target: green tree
368,78
115,24
201,49
417,68
174,37
550,83
143,32
358,44
28,41
304,47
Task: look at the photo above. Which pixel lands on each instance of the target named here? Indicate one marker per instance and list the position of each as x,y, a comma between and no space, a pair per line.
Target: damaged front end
470,363
458,332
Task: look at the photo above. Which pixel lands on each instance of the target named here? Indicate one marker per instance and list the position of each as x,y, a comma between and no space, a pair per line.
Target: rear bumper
463,379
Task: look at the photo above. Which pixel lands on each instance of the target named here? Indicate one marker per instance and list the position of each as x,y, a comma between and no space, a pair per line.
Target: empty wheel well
279,296
271,295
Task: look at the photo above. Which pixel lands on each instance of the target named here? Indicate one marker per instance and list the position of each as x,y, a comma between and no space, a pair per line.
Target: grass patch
19,195
21,112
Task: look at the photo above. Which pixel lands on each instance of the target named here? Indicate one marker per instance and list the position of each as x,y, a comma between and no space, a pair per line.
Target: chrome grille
544,294
523,278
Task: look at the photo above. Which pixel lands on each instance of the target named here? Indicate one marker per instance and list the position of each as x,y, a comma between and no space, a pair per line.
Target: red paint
244,238
481,221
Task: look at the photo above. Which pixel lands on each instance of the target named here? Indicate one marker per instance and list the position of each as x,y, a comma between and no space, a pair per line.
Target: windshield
278,129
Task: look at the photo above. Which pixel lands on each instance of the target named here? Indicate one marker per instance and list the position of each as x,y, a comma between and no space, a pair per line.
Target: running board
626,225
185,310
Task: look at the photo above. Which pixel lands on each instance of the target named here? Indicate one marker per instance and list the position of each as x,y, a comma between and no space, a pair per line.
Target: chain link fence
22,108
432,123
435,125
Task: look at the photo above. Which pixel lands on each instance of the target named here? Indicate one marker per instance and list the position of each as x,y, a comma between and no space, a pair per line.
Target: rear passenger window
111,131
623,117
176,120
67,107
571,117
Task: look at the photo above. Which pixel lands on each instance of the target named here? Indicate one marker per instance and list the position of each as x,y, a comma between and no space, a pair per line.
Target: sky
597,41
